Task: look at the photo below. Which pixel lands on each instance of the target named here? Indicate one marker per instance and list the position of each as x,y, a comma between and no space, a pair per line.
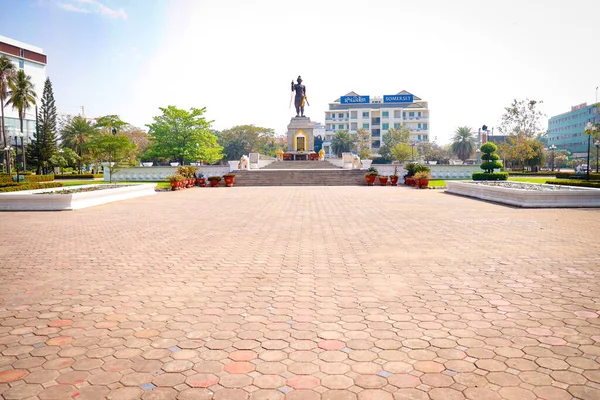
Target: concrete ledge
577,197
28,200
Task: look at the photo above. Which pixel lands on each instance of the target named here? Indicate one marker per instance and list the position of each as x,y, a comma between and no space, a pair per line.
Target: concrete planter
576,197
29,200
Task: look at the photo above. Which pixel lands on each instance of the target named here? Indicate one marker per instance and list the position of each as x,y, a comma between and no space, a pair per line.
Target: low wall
437,171
157,174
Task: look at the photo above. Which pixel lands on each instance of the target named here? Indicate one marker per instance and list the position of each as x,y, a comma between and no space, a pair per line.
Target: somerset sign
398,98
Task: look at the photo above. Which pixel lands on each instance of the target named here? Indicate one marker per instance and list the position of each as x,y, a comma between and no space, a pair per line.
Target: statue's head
299,80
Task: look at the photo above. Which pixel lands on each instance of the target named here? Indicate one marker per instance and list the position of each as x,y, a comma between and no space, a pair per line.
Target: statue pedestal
300,135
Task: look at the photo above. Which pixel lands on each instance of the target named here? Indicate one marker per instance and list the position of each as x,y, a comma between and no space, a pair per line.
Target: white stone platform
31,200
562,197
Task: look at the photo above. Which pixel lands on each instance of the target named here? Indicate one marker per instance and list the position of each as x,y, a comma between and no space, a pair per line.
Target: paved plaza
300,293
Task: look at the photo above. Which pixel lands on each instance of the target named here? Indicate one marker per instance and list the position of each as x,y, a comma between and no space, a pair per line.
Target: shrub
78,176
175,178
39,178
572,175
423,175
30,186
411,169
5,178
229,176
7,184
372,171
214,178
592,184
486,176
521,173
491,160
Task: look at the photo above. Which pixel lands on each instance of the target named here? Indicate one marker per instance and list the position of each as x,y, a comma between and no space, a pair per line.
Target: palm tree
21,96
463,143
76,134
342,142
7,72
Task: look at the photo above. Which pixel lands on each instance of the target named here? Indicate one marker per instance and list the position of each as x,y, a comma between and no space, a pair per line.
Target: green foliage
214,178
7,72
5,178
486,176
229,176
522,117
411,169
463,143
401,152
78,176
108,122
175,178
30,186
245,139
43,147
342,142
188,172
372,171
423,175
488,149
21,96
571,175
490,166
39,178
365,154
183,135
581,183
391,139
362,143
76,133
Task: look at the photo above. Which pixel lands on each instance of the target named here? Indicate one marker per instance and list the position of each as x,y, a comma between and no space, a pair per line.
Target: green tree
76,133
183,135
342,142
117,150
107,123
362,143
393,137
7,72
401,152
463,143
245,139
517,150
522,116
63,158
43,147
21,96
489,157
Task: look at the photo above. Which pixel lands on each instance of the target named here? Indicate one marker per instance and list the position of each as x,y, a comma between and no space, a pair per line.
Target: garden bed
528,195
72,198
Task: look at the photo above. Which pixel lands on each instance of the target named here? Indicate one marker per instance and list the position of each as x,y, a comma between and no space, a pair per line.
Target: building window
404,115
21,64
385,126
341,115
385,114
397,125
353,126
365,114
397,114
366,126
419,115
419,138
340,126
353,115
411,114
425,126
425,137
21,53
419,126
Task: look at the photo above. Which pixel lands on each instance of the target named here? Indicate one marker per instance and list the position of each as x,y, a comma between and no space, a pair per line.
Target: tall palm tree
7,72
76,134
22,97
342,142
463,143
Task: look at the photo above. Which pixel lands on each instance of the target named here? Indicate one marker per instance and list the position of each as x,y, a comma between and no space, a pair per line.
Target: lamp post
597,144
553,148
589,128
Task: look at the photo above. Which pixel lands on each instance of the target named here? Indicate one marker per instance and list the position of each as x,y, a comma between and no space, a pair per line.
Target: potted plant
383,180
394,178
201,180
176,181
214,180
411,170
423,178
371,175
229,179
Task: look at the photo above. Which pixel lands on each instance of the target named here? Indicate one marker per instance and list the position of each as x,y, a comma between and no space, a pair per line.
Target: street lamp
589,128
597,144
553,148
114,131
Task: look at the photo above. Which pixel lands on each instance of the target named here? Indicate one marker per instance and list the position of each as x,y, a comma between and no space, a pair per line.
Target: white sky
468,58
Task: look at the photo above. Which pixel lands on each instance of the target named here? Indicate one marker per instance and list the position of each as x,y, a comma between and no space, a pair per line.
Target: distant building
566,131
32,60
377,115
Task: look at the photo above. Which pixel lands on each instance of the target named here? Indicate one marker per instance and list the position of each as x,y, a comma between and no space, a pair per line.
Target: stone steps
327,177
300,165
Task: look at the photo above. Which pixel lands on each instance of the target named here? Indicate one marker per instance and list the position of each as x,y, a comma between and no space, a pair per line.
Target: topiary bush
490,157
487,176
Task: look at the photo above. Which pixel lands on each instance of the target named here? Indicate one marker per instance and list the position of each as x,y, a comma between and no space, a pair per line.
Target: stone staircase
300,165
300,177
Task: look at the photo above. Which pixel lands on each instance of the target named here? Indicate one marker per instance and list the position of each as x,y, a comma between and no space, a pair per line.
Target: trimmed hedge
571,175
495,176
30,186
545,173
590,183
78,176
39,178
7,184
5,178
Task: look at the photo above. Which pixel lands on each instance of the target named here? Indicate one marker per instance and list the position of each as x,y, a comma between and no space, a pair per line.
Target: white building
377,114
32,60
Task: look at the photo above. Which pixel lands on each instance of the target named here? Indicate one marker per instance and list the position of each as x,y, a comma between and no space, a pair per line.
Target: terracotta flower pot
383,180
423,183
370,179
214,183
201,182
394,180
229,180
410,181
174,185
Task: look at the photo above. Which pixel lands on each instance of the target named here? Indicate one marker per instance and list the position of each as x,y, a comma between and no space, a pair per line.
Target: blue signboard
398,98
354,99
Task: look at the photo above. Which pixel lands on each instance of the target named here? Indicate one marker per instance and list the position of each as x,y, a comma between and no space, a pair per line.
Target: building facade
32,61
567,131
377,115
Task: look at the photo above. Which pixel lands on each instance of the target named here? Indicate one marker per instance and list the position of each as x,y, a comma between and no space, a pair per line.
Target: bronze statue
300,90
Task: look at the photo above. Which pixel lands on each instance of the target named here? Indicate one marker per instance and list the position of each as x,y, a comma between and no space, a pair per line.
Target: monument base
300,137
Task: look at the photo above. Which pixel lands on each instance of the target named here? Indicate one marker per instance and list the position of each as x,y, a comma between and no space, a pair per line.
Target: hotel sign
398,98
579,107
354,99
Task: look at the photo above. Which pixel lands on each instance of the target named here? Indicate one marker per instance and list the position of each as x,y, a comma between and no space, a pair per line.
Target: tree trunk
6,153
22,144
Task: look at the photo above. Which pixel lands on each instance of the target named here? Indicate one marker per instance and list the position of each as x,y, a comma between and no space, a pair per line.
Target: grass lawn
159,185
530,179
437,183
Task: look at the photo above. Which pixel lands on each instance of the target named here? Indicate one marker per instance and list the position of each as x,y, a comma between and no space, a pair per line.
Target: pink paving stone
243,355
59,341
404,380
12,375
202,380
303,382
239,367
332,345
60,323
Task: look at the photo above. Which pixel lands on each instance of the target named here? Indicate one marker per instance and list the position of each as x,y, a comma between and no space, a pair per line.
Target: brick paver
300,293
